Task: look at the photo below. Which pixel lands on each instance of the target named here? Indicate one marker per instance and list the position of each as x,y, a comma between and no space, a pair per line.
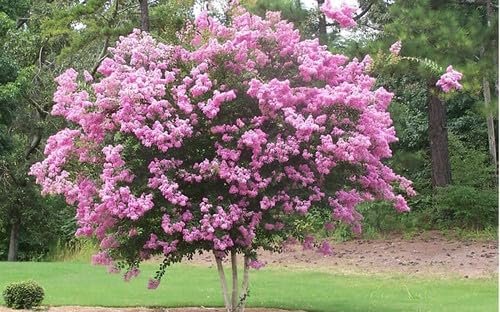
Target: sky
313,3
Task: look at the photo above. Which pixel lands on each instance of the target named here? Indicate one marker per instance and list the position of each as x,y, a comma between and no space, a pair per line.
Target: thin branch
363,13
104,50
40,109
101,57
21,21
35,142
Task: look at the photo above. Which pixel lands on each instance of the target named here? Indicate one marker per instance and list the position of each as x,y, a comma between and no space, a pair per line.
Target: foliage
23,295
45,222
470,165
76,250
465,206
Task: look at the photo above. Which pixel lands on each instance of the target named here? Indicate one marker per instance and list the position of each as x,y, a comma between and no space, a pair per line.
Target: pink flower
153,283
255,264
396,48
113,269
308,242
102,258
133,272
87,76
341,14
325,248
329,226
450,80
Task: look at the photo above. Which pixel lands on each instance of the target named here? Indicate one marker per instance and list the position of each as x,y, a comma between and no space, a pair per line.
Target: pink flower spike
396,48
450,80
153,283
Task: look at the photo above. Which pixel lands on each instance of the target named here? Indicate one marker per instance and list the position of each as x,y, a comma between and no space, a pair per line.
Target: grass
83,284
486,234
80,249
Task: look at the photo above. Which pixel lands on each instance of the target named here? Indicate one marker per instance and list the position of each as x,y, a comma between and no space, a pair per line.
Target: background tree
39,38
449,33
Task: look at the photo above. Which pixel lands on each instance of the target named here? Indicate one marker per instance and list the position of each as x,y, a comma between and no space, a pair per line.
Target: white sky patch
312,4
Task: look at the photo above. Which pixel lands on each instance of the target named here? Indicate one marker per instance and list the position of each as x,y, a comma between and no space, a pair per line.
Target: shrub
470,166
23,295
466,206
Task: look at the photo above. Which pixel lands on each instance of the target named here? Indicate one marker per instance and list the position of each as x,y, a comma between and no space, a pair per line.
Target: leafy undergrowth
86,285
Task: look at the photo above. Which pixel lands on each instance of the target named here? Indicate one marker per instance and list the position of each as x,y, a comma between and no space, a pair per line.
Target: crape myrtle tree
219,145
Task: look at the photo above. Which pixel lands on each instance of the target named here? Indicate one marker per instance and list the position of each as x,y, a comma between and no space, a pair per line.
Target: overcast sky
314,3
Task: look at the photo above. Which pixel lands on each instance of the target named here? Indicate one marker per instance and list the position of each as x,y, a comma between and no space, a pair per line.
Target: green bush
23,295
465,206
470,166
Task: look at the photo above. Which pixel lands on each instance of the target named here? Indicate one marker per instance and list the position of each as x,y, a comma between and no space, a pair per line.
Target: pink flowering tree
219,146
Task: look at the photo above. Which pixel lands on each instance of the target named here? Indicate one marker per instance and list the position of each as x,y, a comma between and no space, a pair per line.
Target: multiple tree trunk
234,302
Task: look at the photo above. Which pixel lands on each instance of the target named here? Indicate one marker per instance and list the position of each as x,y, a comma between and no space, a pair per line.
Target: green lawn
83,284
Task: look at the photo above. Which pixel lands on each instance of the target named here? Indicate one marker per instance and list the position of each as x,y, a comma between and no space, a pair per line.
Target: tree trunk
487,102
438,137
14,240
144,15
223,282
490,124
232,301
322,36
244,296
234,271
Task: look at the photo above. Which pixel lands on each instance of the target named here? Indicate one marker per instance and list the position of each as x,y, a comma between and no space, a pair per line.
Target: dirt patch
427,254
103,309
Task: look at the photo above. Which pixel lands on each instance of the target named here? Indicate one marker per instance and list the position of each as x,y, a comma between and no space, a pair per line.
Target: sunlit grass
183,285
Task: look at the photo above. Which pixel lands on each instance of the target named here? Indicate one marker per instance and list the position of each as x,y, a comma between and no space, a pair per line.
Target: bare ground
428,255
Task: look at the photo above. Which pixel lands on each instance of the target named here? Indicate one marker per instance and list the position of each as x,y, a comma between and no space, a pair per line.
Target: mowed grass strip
184,285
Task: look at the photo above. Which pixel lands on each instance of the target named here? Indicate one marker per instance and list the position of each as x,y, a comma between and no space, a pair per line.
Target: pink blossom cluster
342,14
396,48
450,80
172,150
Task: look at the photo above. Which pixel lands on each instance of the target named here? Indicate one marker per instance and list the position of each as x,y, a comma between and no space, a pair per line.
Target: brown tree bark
143,4
438,138
14,240
322,35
